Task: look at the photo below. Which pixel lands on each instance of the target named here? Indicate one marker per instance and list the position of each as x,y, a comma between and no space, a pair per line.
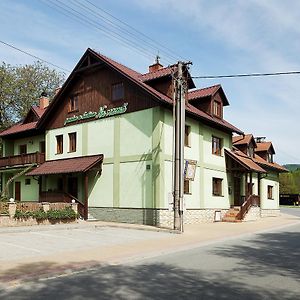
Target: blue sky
219,37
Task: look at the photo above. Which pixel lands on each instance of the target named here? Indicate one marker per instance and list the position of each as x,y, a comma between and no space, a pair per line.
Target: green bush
52,215
39,215
63,214
19,214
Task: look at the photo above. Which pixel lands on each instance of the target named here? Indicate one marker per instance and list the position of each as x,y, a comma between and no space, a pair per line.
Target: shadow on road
154,281
276,253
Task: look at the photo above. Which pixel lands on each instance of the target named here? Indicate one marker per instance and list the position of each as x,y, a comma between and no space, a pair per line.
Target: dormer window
73,104
270,158
250,151
217,109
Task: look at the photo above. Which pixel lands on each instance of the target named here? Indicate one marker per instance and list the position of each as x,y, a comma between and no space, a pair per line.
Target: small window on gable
117,91
250,151
217,186
27,181
73,103
72,142
270,192
187,136
59,144
217,109
216,146
270,157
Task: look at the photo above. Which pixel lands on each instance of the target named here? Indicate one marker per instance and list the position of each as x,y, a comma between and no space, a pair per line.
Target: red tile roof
38,111
217,121
244,160
135,76
259,160
157,74
263,146
65,166
19,127
205,92
242,140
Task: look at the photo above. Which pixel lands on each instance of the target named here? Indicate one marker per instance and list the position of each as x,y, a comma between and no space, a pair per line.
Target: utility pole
179,97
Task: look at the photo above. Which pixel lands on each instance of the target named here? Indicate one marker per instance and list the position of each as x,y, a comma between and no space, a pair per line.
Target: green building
106,141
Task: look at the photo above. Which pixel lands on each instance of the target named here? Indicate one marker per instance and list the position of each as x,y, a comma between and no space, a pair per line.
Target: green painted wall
33,144
209,165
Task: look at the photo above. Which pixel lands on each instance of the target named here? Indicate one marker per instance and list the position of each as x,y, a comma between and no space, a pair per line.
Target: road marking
22,247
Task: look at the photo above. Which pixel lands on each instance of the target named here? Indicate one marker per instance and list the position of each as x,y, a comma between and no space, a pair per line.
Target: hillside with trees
290,182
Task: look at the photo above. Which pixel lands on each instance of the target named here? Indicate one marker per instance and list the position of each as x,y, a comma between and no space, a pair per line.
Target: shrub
63,214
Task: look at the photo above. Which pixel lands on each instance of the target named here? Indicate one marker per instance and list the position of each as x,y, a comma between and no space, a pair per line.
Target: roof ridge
208,87
108,58
161,69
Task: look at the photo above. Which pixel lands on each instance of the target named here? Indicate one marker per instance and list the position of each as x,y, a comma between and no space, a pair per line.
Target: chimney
44,101
156,66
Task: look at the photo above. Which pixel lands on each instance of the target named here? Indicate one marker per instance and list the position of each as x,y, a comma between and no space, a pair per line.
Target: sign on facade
102,113
190,169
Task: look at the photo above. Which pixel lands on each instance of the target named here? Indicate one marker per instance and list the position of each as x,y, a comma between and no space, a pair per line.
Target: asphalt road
261,266
291,211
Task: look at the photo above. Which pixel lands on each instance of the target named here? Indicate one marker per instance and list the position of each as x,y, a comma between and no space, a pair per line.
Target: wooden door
17,191
73,186
237,191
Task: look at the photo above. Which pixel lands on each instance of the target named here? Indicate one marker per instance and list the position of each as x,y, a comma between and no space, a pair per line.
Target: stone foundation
270,213
253,214
156,217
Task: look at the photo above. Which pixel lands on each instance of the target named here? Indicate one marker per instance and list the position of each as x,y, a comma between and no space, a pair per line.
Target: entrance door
237,191
17,191
73,186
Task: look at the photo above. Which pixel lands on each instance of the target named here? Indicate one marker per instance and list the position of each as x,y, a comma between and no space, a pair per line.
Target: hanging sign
190,169
102,113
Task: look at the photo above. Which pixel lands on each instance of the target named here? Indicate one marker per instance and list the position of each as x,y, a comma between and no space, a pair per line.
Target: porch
245,178
67,180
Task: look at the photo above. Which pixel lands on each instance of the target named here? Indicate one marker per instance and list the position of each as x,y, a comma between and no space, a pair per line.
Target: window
72,142
117,91
216,145
27,181
250,151
187,136
73,104
217,186
187,187
270,157
270,192
42,147
59,144
23,149
217,109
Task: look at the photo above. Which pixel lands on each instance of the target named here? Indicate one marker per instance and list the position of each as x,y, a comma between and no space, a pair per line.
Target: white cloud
262,37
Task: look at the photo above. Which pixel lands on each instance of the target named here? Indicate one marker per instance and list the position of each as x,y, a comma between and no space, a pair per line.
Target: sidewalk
14,269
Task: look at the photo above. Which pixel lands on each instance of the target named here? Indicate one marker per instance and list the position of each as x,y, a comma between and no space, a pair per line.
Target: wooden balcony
22,160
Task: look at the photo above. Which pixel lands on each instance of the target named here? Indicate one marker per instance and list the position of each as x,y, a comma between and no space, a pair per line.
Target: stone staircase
232,215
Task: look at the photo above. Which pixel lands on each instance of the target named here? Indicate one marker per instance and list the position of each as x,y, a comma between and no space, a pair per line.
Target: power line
138,32
32,55
122,29
90,22
247,75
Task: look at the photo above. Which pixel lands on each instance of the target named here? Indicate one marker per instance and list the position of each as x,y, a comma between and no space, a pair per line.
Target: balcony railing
22,159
